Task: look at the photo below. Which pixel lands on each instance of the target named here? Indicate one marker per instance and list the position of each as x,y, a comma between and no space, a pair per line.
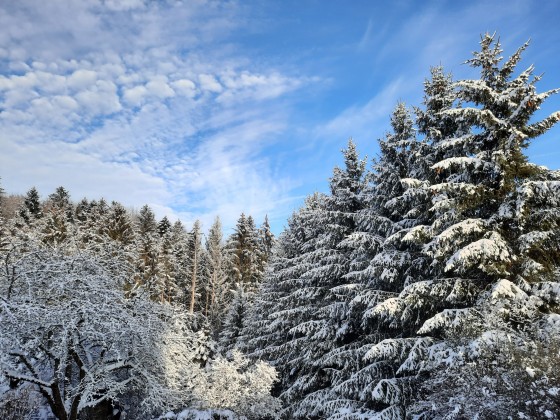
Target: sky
202,108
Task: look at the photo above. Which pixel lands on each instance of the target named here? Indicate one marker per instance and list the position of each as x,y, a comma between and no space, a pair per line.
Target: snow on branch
491,255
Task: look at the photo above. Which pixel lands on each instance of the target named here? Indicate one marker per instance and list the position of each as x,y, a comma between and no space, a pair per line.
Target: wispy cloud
359,120
137,101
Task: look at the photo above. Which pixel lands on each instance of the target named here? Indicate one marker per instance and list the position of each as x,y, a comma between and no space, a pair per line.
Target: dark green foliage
245,253
164,226
31,208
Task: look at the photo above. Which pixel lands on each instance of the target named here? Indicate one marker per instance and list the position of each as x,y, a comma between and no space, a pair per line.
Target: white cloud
65,102
82,79
184,87
120,5
158,87
100,99
209,83
135,96
359,121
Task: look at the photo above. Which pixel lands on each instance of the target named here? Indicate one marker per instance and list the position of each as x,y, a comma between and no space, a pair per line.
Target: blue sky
202,108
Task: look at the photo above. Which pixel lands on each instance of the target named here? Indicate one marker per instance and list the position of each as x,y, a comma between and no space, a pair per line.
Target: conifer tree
196,269
266,240
57,225
60,201
235,320
90,221
82,210
118,225
245,254
325,295
282,303
147,237
3,230
394,202
167,287
1,198
476,258
31,208
164,226
218,282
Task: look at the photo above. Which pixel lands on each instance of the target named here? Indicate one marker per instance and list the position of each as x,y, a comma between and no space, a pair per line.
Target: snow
482,254
462,161
505,289
417,233
554,391
448,318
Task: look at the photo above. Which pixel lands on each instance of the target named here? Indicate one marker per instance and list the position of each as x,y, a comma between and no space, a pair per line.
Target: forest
424,286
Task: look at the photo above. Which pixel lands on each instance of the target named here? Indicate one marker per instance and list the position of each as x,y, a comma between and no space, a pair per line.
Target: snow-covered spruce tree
118,225
196,268
108,233
164,226
60,200
31,208
58,222
3,226
398,200
180,259
245,254
441,129
282,302
235,319
266,241
482,249
324,331
1,198
396,203
167,288
147,249
90,219
216,273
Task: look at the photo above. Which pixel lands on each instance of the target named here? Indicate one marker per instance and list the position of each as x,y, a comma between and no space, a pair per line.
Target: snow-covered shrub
239,385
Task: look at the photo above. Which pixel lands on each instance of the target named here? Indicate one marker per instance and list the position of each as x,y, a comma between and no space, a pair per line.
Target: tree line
101,306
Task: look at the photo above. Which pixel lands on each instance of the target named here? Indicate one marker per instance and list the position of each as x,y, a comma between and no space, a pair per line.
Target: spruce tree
82,210
266,241
31,208
218,281
282,303
324,329
1,197
234,321
164,226
179,239
245,254
147,250
57,225
394,204
196,268
118,225
477,260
